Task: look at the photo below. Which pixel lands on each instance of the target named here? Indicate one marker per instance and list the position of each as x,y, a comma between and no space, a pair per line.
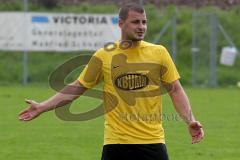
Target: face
134,27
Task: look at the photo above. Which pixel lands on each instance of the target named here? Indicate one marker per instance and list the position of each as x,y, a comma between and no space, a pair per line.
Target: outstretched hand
31,112
196,131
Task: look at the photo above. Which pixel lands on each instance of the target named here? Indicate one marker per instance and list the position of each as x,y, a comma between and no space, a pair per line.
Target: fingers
23,112
199,124
27,109
197,138
28,101
196,131
25,117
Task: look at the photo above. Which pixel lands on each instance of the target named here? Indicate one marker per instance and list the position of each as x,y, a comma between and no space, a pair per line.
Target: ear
120,23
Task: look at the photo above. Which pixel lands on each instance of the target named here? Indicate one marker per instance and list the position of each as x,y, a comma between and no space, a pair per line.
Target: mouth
140,33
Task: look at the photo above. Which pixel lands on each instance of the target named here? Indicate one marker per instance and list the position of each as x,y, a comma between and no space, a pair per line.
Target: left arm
182,106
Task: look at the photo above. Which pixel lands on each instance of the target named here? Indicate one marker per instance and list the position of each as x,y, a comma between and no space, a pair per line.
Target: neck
134,43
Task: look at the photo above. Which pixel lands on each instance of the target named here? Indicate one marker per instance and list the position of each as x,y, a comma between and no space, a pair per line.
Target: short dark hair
123,13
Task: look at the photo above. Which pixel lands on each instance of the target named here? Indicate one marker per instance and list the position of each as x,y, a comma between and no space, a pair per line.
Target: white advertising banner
56,31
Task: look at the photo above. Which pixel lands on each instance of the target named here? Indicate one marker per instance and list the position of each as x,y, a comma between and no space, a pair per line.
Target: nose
142,25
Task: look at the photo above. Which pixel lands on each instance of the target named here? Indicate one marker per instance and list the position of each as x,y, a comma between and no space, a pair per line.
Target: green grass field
48,137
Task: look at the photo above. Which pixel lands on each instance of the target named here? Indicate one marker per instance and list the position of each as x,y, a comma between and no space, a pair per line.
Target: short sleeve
92,73
169,71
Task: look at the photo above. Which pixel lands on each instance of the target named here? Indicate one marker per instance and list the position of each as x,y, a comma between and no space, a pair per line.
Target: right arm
65,96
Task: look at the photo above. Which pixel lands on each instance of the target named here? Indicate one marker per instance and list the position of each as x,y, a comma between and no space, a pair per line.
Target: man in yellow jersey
132,73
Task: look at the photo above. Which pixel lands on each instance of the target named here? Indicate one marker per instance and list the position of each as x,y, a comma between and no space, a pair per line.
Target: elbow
176,88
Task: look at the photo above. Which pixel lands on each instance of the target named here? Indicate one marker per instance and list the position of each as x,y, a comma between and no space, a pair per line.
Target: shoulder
99,53
145,44
155,47
107,49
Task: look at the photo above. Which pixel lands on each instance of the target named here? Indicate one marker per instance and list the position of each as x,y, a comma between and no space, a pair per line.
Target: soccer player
131,73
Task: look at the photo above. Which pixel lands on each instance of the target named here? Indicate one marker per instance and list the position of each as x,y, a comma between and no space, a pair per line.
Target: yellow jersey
132,88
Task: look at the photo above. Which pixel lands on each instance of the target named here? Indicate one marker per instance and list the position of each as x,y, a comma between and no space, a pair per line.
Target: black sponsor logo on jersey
131,81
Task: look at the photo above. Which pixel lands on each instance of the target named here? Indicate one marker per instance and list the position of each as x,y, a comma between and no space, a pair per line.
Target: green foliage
11,6
42,64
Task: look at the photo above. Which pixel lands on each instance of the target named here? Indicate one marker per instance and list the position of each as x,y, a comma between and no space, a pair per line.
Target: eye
135,22
144,22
